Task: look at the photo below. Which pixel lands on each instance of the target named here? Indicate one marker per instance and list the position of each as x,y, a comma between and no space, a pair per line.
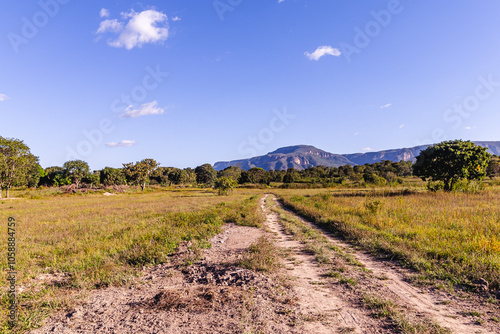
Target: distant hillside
305,156
298,157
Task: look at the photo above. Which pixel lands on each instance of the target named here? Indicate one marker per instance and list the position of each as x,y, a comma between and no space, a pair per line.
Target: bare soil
204,291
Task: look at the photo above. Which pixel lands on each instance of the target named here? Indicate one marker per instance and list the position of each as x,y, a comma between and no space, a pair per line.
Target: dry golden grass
450,236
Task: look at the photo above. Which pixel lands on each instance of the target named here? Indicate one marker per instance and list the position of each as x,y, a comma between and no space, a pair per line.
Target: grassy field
93,241
449,236
84,242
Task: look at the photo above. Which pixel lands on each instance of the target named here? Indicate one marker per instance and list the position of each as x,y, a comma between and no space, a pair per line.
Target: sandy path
444,309
315,297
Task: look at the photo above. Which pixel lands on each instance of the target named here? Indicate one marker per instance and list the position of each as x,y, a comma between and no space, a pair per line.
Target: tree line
446,162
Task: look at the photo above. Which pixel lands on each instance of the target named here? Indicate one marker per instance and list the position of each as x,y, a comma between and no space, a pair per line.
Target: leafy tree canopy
205,174
140,172
452,161
16,162
224,185
76,170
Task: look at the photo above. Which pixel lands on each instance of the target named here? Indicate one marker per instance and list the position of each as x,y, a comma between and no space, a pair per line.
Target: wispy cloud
176,18
402,126
280,1
137,29
323,51
470,127
3,97
110,26
144,110
104,12
386,106
366,149
123,143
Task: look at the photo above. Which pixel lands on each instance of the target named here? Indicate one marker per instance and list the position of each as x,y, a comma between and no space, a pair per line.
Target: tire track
316,299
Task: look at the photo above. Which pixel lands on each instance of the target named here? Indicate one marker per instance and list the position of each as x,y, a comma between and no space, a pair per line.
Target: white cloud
366,149
470,127
110,26
280,1
356,133
386,106
4,97
323,51
144,110
176,18
104,13
149,26
402,126
123,143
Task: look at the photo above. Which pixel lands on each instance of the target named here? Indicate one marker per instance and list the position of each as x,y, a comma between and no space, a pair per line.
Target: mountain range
305,156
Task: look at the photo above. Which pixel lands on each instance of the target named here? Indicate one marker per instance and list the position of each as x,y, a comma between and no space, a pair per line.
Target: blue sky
190,82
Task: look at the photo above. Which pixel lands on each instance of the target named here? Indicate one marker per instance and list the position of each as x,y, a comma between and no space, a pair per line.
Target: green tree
112,176
205,174
76,170
452,161
92,179
493,169
16,162
35,174
191,175
161,175
291,176
232,172
178,176
254,175
54,177
224,185
141,171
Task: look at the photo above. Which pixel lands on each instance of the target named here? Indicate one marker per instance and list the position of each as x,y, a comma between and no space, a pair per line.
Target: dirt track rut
315,297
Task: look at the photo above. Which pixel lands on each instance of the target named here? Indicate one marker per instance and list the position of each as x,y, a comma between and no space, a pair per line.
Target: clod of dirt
194,300
221,275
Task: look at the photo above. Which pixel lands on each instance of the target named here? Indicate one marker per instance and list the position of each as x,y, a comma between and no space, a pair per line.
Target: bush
374,206
372,178
435,186
467,186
